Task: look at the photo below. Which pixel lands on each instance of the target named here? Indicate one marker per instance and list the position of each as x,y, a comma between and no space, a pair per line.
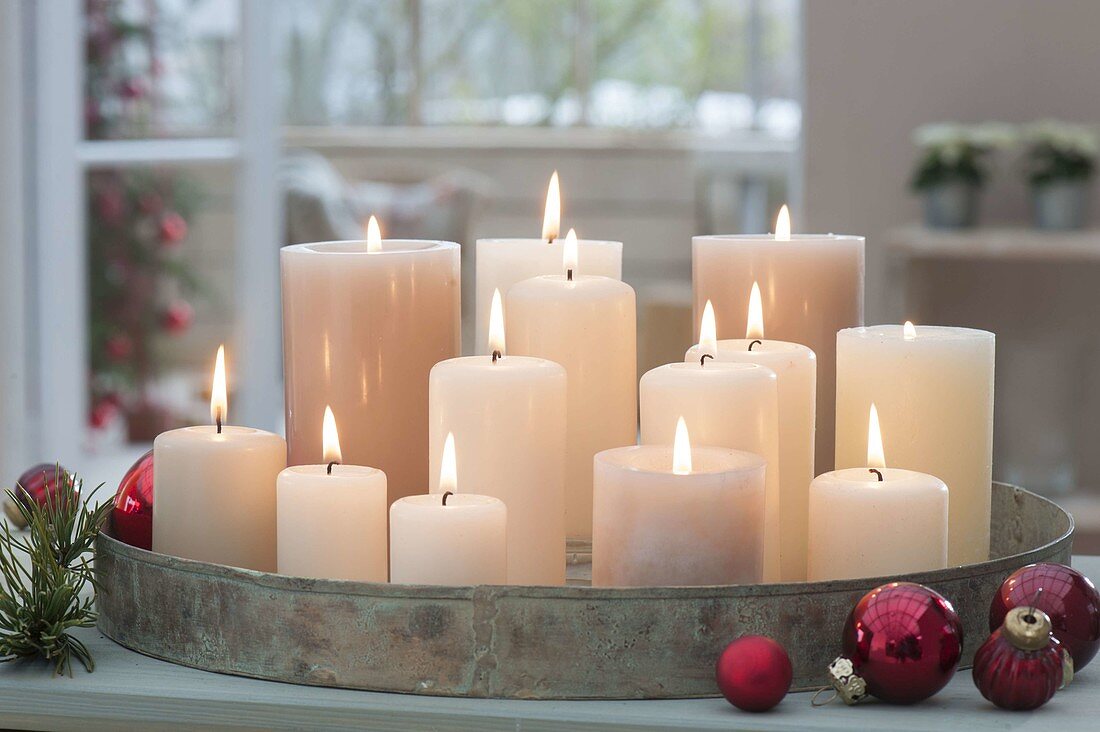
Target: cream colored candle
363,324
332,517
795,369
934,388
677,515
876,521
812,287
587,324
501,263
508,416
215,489
450,538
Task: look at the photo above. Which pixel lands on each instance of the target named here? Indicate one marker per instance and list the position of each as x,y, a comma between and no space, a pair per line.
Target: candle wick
330,466
550,240
569,275
877,472
497,355
704,358
755,342
448,493
218,421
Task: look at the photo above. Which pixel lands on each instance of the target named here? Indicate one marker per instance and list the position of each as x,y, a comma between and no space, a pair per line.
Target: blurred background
157,153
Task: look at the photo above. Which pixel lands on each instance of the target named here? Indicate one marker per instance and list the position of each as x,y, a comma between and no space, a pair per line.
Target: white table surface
131,692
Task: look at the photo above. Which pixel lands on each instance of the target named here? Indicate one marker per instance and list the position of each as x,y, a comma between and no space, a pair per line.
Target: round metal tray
518,642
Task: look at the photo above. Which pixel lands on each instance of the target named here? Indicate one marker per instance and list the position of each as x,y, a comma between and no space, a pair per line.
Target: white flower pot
951,206
1060,206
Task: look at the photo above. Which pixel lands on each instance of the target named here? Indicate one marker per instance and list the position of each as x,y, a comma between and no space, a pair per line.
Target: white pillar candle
677,515
501,263
332,517
934,388
876,521
795,367
215,489
812,286
363,324
508,416
587,324
449,538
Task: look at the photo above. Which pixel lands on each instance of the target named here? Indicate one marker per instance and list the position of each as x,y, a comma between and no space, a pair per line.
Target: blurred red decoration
903,641
102,414
177,317
1020,665
172,228
35,484
132,516
119,347
754,673
1068,598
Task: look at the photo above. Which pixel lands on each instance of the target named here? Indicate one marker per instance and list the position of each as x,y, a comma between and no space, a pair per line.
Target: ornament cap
849,685
1067,669
15,516
1027,628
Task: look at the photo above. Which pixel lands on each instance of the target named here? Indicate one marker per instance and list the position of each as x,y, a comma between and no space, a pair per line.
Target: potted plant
952,168
1061,159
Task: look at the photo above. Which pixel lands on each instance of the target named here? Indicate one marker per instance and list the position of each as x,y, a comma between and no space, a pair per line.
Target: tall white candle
876,521
332,517
795,367
812,286
501,263
587,324
677,515
508,416
215,489
934,388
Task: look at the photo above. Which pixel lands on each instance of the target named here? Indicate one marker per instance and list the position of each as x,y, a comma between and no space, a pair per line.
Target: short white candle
215,489
677,515
795,367
876,521
934,388
332,517
448,539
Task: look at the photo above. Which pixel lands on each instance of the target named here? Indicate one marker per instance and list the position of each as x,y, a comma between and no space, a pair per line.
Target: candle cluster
411,464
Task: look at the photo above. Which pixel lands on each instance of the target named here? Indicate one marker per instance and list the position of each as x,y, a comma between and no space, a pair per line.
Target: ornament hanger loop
814,699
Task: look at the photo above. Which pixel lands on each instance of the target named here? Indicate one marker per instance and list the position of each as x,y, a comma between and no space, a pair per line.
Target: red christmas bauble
172,228
904,640
177,317
43,481
754,673
1068,598
1019,667
132,515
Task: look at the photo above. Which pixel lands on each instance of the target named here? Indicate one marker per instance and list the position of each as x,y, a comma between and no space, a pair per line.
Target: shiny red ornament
43,481
172,228
1068,598
903,642
177,317
132,515
754,673
1020,665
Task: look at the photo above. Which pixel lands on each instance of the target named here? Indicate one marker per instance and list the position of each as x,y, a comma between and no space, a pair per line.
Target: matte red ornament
754,673
1068,598
132,516
1020,665
904,641
35,484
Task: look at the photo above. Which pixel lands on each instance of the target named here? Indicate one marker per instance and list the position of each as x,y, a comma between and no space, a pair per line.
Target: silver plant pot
951,206
1060,206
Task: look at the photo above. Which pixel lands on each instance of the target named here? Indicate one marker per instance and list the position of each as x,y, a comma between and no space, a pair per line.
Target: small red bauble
1019,667
172,228
754,673
1068,598
902,643
38,484
132,515
177,317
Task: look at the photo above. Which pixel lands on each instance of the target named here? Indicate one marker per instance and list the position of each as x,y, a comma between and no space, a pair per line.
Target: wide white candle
363,324
934,388
795,367
215,489
587,324
677,515
501,263
332,517
812,286
876,521
508,416
449,538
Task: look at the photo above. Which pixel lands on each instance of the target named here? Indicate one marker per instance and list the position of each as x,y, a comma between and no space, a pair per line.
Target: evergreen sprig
47,587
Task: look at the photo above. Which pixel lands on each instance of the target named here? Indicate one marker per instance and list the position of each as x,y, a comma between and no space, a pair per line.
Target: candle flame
496,324
374,235
551,218
569,251
876,457
219,403
754,328
708,332
330,438
681,450
448,468
783,224
909,331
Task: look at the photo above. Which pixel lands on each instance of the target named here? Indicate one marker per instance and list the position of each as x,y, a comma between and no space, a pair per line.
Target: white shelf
121,153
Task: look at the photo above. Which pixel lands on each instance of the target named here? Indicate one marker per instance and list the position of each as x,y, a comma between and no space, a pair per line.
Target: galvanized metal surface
517,642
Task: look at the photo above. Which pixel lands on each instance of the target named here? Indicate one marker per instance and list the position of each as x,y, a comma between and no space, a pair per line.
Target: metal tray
519,642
